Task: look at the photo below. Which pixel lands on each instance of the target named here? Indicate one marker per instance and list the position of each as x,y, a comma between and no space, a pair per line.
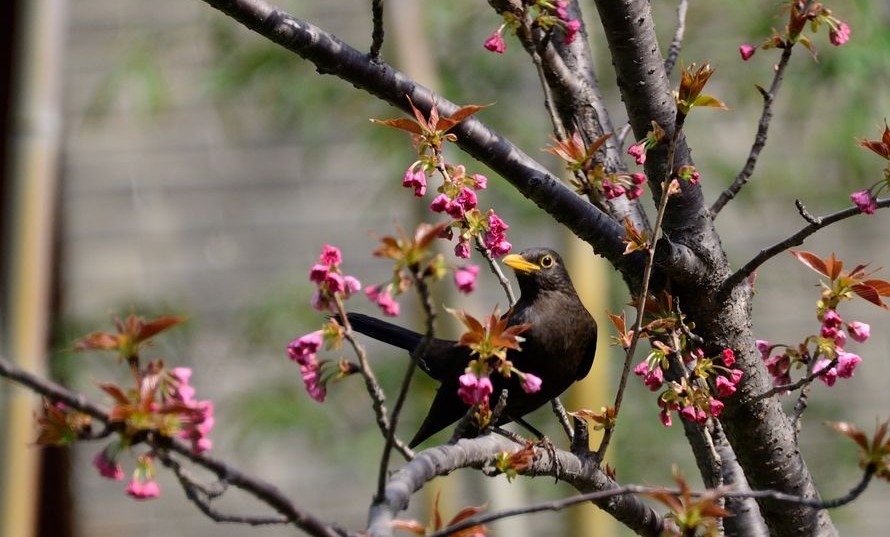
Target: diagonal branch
332,56
815,224
263,491
479,452
766,117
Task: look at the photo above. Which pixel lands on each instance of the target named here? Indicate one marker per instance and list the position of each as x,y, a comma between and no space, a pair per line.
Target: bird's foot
545,444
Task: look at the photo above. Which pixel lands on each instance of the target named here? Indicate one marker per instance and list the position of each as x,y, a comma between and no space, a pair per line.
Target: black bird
559,346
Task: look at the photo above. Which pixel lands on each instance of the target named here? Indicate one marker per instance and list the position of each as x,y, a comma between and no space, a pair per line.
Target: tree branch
815,224
332,56
263,491
766,117
478,452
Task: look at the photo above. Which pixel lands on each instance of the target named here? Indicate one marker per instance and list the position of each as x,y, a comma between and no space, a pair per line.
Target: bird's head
539,269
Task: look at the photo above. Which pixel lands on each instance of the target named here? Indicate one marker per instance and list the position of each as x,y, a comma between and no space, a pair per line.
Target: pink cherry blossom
480,182
440,203
728,357
839,33
330,255
384,299
474,390
865,201
571,31
465,278
462,249
725,387
688,413
860,332
311,372
715,407
638,152
826,374
495,239
495,42
143,490
302,348
318,272
747,51
846,363
531,383
107,466
416,180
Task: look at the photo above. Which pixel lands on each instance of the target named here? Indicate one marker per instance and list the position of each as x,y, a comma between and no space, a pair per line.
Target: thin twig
496,270
201,497
377,31
766,117
677,42
647,276
430,316
263,491
794,240
560,411
378,399
723,492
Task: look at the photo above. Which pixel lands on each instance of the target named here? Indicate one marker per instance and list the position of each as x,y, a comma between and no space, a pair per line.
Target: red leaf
156,326
869,293
401,124
115,392
881,286
811,260
98,341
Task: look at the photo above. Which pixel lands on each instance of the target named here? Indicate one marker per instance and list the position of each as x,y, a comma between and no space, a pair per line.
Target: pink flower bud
860,332
747,51
465,278
839,34
846,363
330,255
865,201
728,357
495,42
638,152
531,383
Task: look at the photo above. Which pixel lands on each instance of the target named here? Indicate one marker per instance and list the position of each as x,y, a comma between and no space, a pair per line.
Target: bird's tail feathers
384,331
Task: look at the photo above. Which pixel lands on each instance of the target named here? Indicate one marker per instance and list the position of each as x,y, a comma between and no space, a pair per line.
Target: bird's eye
546,261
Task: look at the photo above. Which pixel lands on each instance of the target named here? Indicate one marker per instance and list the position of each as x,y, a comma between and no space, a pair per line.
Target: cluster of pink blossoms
815,15
829,360
475,389
196,424
331,282
195,421
692,401
302,350
548,15
624,185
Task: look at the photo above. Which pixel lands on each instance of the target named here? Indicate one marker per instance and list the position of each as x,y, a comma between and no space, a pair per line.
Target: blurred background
160,159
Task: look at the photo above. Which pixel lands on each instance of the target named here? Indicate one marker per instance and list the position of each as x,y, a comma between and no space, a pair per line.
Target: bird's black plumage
559,346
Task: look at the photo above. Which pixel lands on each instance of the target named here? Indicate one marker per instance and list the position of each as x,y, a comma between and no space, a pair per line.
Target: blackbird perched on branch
558,347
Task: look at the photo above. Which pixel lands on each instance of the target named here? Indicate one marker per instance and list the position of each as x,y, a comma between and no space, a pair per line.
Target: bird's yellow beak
518,263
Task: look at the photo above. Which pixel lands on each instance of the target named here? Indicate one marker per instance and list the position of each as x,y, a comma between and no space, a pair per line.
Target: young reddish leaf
850,431
156,326
870,294
99,341
466,111
881,286
115,392
401,124
811,260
